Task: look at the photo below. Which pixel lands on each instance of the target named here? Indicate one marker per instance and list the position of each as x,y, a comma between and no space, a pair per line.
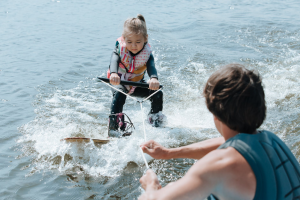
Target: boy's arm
193,151
199,182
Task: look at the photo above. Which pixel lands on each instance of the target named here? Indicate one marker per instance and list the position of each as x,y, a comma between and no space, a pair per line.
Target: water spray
106,81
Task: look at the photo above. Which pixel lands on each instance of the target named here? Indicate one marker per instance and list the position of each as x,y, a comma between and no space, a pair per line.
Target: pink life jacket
132,68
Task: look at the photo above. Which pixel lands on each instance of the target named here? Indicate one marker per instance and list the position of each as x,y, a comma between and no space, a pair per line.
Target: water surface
52,51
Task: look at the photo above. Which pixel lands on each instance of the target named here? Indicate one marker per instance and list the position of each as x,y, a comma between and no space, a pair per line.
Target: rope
144,158
131,96
143,121
152,94
119,91
141,103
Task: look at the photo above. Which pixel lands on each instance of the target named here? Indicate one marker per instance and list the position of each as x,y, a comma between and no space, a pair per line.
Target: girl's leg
117,104
156,102
154,117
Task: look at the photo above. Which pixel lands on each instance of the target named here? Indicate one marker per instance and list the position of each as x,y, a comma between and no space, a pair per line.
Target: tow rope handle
137,84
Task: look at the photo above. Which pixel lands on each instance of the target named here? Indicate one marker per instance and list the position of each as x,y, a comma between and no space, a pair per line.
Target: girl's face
135,42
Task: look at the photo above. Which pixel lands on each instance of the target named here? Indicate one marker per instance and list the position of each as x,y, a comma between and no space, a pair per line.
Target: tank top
276,169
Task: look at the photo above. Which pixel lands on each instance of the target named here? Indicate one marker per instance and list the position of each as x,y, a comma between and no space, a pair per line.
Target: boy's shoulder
223,165
222,160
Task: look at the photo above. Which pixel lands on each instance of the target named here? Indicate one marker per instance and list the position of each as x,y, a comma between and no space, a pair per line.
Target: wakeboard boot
118,127
156,119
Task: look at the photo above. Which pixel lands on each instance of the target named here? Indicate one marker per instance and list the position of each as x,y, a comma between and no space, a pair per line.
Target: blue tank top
276,169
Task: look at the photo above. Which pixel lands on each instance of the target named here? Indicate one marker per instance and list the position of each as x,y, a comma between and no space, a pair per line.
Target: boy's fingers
148,147
144,148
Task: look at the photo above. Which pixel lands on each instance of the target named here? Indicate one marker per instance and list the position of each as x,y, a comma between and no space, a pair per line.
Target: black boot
117,125
113,126
156,119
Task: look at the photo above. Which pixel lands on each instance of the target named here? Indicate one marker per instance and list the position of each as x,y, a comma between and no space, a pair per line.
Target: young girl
131,58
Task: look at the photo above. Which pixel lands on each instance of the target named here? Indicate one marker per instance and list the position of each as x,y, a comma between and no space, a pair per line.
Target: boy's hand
150,181
114,79
154,149
153,84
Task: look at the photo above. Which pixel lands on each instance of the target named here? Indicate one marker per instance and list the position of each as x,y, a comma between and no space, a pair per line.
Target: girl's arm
114,61
151,70
114,66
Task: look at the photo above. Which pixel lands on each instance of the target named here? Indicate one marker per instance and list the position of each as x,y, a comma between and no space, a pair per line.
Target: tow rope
141,103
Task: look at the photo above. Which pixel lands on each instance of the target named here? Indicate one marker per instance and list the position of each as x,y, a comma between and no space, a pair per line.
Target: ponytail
136,25
141,17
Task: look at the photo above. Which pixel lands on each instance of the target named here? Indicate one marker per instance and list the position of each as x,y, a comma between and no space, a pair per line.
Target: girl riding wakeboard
130,60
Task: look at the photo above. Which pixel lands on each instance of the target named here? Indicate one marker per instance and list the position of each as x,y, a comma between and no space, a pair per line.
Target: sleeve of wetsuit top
151,70
114,61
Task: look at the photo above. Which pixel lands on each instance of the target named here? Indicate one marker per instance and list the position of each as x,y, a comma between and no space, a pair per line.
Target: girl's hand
150,181
153,84
114,79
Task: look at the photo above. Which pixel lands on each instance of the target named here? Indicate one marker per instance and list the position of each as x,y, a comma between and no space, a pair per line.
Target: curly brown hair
235,96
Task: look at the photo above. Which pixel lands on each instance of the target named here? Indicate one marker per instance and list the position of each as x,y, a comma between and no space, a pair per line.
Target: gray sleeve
151,70
114,61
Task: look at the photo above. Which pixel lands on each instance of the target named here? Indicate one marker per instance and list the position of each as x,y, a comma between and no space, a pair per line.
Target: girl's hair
136,25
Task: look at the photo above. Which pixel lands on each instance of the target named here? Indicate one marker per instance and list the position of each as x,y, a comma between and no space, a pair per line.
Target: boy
249,164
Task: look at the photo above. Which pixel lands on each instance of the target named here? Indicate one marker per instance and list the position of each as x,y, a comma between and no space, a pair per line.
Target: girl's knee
119,97
158,95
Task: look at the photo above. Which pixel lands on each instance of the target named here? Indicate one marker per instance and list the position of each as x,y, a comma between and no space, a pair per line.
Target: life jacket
132,68
276,169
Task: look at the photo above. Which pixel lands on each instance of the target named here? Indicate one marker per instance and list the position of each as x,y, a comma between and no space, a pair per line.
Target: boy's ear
216,119
146,38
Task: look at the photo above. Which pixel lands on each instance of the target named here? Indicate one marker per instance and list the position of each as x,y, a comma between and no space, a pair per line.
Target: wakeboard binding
118,127
156,119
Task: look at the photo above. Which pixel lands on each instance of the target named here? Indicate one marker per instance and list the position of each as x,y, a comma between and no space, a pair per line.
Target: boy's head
236,97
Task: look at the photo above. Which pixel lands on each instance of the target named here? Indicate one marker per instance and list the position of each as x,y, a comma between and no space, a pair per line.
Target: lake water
52,51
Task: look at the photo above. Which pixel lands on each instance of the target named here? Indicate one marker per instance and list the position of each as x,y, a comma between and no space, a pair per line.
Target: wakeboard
87,140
